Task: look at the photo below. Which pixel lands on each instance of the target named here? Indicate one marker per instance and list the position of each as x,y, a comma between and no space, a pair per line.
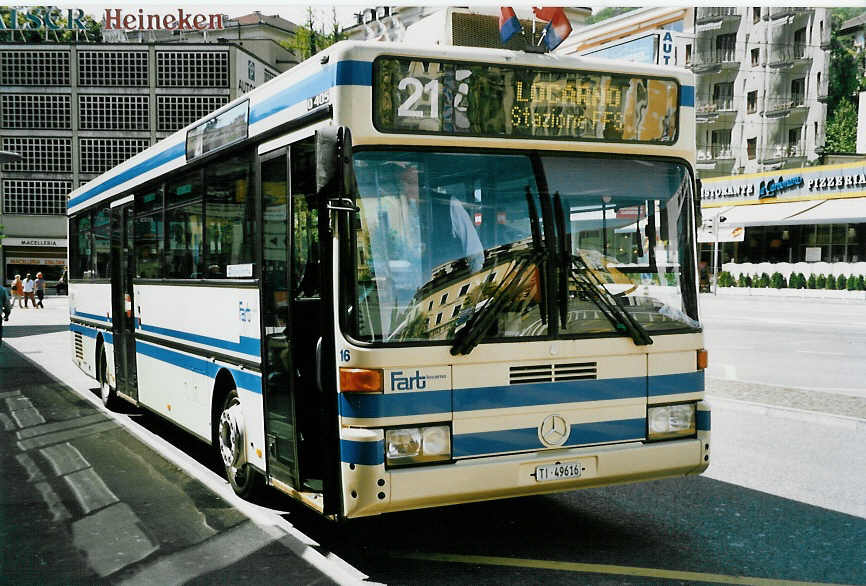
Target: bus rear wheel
231,440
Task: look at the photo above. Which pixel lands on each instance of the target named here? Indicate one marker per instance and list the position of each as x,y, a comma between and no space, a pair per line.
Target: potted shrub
841,283
821,282
812,282
831,282
777,281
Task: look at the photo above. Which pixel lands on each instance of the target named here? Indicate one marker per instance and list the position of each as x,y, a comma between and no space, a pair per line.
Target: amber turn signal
702,359
360,380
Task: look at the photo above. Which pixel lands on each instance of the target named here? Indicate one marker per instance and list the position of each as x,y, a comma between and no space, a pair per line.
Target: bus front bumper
514,475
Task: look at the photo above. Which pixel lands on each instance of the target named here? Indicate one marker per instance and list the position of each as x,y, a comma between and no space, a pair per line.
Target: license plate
558,471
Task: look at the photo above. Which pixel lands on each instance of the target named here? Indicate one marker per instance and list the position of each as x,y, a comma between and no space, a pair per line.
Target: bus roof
290,96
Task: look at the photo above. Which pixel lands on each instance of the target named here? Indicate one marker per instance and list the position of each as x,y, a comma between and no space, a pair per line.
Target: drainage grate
546,373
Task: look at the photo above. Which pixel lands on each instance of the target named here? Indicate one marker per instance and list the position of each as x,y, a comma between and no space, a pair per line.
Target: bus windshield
445,236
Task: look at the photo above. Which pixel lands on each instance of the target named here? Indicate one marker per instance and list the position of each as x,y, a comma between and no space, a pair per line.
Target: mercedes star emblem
553,431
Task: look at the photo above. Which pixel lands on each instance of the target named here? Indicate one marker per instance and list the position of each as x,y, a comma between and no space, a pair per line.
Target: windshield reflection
444,235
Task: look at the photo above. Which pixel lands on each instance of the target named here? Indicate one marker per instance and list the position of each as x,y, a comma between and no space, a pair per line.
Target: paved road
781,501
814,344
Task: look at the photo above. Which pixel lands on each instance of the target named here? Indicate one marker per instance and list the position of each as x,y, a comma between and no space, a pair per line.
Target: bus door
123,306
280,425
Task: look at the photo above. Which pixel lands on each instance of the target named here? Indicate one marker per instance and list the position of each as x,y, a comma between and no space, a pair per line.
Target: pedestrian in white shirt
28,291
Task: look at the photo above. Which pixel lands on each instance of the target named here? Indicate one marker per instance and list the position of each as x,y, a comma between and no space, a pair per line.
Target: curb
852,423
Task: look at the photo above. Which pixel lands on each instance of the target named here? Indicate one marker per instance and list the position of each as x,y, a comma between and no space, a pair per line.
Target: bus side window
229,215
305,221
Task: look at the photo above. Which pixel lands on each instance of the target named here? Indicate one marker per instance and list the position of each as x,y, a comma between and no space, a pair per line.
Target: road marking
64,459
28,417
112,539
8,424
597,569
8,394
823,353
65,436
33,472
214,554
90,490
61,425
55,505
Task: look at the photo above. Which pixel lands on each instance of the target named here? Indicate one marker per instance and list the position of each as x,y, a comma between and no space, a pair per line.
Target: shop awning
768,214
833,211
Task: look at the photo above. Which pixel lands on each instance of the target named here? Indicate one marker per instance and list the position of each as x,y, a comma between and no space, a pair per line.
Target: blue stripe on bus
703,421
244,380
250,346
157,160
343,73
394,404
672,384
363,453
89,332
92,316
530,394
514,440
687,95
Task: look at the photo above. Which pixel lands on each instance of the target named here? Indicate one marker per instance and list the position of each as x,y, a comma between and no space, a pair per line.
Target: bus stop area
85,501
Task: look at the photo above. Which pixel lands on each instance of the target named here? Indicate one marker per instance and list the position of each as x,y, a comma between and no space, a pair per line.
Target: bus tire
106,393
231,441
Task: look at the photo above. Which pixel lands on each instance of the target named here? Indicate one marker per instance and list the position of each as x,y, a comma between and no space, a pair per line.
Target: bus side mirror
699,216
335,175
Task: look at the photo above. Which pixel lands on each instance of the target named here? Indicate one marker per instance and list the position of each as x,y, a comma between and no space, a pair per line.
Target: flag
558,27
508,23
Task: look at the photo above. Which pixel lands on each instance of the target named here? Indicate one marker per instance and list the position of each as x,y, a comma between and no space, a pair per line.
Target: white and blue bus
400,277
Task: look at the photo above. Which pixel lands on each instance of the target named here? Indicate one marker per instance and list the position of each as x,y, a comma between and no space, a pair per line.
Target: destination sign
478,99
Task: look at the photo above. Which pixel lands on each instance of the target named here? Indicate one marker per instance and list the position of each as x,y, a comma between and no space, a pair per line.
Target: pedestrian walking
28,291
39,289
17,291
5,308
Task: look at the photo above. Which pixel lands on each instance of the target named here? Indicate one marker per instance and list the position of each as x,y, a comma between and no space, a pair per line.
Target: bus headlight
415,445
668,421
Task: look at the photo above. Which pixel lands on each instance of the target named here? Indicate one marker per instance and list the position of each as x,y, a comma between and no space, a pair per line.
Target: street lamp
717,219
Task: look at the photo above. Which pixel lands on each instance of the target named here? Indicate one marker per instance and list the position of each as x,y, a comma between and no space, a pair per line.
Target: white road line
214,554
64,459
64,436
61,425
90,490
112,539
33,472
8,394
6,421
55,505
18,402
824,353
28,417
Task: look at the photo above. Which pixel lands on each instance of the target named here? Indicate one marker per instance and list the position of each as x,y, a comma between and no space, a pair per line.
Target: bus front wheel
231,438
106,393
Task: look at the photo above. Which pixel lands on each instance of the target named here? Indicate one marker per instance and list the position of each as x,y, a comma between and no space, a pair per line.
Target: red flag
558,26
508,23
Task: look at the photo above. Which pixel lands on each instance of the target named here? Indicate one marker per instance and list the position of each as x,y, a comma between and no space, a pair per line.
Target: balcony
786,55
707,15
782,12
716,157
714,59
719,110
796,151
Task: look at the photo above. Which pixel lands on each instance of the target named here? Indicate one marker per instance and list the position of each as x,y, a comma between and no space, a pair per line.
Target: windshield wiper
593,287
505,293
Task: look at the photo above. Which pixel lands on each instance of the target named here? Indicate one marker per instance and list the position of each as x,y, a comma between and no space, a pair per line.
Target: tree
92,29
846,78
311,37
608,12
842,129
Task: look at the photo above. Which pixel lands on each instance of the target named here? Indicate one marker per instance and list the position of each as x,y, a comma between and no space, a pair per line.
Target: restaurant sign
828,180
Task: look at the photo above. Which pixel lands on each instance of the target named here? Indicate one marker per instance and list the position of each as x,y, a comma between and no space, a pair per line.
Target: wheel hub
231,437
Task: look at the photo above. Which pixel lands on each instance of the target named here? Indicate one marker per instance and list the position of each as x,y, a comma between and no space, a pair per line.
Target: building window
798,91
795,148
723,96
37,68
113,112
443,299
721,144
430,306
688,54
175,112
192,69
463,290
112,68
44,111
756,15
455,311
800,43
101,154
752,102
438,318
726,48
756,57
40,155
751,147
35,198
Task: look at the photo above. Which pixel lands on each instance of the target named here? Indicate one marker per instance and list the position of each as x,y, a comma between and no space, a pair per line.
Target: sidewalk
84,501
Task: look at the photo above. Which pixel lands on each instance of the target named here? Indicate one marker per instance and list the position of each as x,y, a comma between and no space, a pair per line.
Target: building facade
73,111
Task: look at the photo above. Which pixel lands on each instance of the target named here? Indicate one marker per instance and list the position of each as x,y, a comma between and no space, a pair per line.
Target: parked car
62,285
